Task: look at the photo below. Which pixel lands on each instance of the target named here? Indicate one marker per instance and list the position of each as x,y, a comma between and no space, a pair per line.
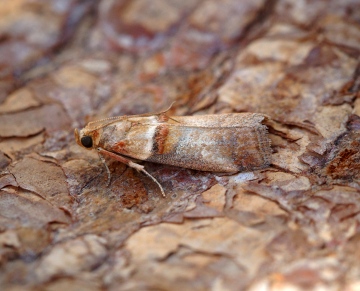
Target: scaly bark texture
294,225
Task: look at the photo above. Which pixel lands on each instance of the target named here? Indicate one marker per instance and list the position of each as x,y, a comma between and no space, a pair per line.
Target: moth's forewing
220,143
216,149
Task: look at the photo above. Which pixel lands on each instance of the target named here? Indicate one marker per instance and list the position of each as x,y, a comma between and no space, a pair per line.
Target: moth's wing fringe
264,144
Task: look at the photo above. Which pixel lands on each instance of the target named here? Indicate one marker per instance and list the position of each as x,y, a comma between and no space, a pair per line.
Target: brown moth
229,142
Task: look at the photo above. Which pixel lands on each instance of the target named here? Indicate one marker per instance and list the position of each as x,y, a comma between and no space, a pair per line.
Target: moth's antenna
111,120
107,119
173,119
166,110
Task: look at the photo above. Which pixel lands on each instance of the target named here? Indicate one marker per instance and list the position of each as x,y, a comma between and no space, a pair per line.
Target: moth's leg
131,164
106,167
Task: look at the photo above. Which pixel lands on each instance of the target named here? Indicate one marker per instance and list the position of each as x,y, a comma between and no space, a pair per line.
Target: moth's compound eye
86,141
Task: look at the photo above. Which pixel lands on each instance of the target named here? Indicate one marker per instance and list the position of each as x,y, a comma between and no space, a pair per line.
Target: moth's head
86,139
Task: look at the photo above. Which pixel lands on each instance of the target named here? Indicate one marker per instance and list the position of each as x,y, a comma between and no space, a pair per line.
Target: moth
231,142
